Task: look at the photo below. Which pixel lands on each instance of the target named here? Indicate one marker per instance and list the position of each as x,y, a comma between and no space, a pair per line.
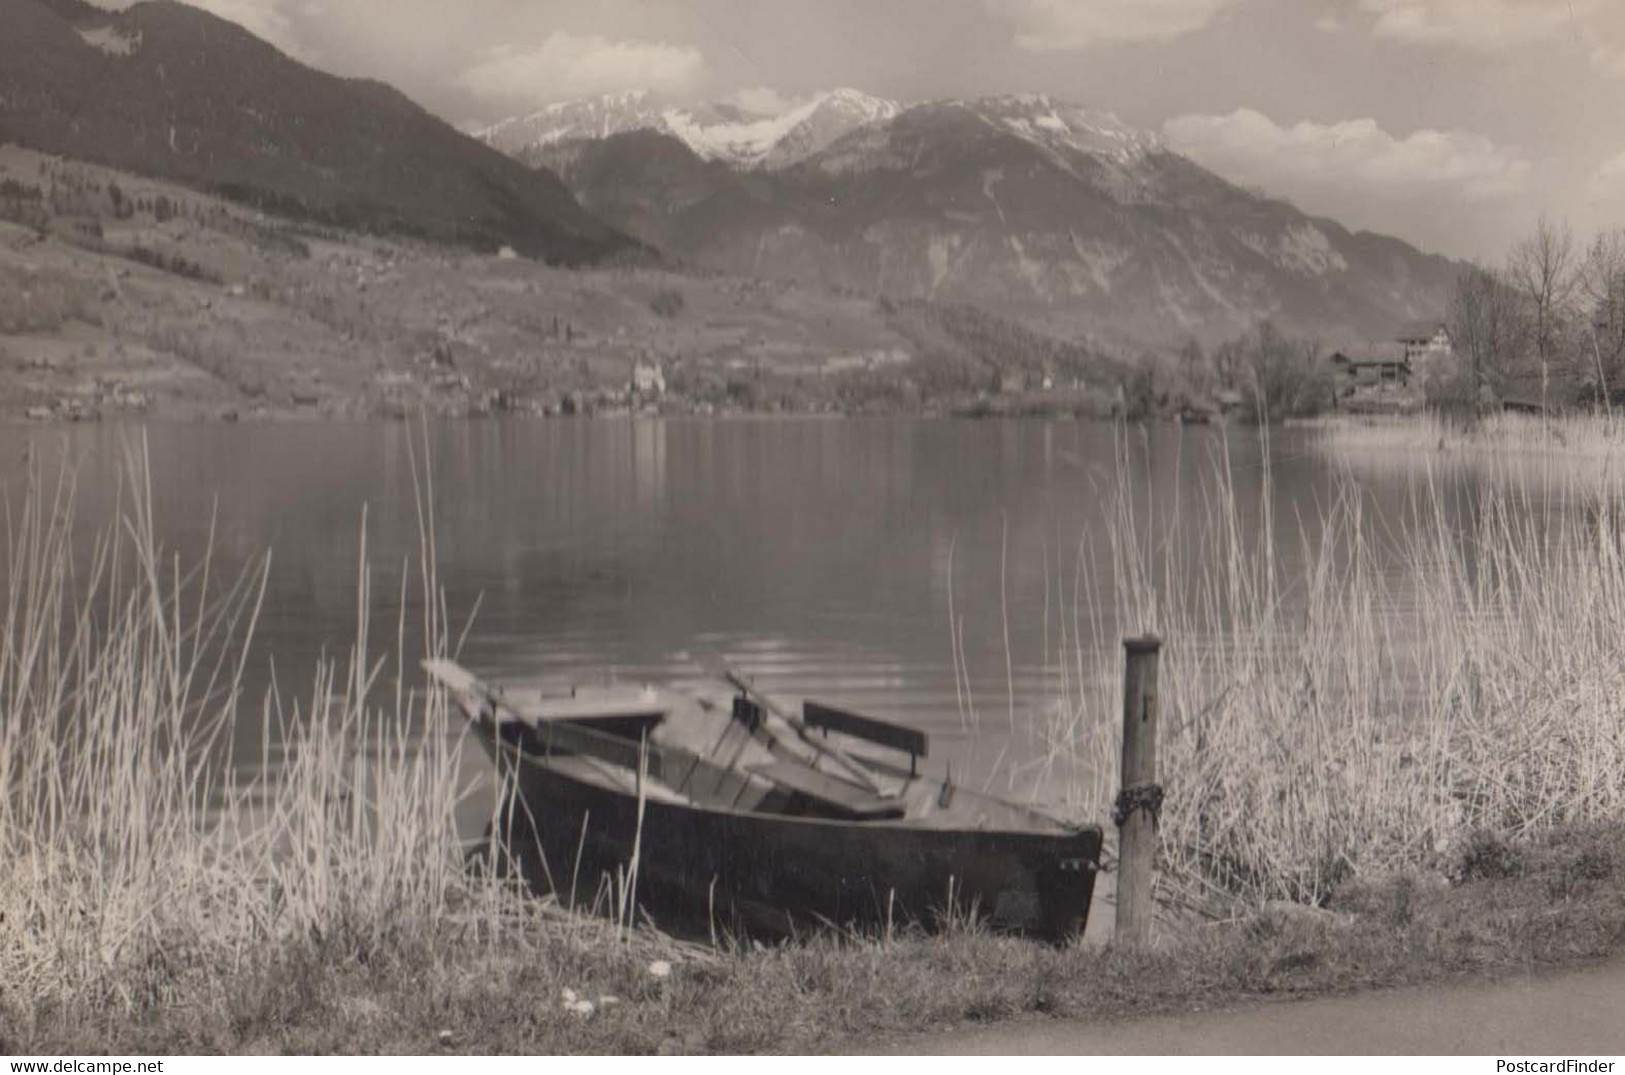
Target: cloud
1308,159
1058,25
1608,181
1488,25
566,65
1500,25
763,101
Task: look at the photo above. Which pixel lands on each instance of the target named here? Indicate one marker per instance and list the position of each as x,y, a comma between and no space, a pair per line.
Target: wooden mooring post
1139,799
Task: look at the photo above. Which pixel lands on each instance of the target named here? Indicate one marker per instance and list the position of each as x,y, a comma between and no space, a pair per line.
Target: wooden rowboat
760,816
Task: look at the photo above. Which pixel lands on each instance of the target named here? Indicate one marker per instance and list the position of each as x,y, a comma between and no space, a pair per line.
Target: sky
1454,124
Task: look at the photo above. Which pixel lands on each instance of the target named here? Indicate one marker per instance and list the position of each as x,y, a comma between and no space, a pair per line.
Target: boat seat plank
840,795
884,733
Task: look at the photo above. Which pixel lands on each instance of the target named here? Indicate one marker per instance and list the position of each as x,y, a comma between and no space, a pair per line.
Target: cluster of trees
1001,346
1274,373
21,204
1277,375
13,191
1549,321
125,207
172,263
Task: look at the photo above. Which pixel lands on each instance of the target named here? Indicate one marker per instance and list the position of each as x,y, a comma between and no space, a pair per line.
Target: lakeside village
1386,377
1382,377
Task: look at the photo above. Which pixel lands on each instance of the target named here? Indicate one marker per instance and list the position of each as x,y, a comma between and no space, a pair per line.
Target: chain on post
1147,797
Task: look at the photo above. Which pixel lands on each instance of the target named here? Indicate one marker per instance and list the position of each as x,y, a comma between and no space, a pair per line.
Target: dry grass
1585,435
1323,723
1520,910
142,872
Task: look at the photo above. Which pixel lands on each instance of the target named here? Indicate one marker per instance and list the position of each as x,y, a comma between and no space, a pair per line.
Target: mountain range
721,131
1024,204
167,90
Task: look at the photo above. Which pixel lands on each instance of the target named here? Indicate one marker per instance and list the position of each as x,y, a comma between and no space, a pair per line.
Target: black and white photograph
873,527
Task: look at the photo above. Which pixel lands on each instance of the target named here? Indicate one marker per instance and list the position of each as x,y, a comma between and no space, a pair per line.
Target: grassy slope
185,95
269,315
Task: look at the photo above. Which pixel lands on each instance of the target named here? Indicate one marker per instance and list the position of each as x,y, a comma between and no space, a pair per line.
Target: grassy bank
1572,438
1352,803
1512,910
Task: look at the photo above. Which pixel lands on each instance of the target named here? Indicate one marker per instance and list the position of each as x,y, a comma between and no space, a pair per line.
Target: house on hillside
1523,390
1423,341
1379,366
648,379
1388,376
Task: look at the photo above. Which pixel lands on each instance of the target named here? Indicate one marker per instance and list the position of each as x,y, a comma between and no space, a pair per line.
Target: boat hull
761,873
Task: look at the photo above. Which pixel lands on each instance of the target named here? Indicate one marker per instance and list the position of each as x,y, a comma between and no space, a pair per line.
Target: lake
829,558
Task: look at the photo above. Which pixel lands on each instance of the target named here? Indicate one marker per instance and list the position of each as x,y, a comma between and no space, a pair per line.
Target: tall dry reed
1324,716
141,862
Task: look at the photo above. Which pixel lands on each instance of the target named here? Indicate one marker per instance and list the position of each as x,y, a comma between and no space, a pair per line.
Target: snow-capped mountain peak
826,117
1059,127
587,117
713,131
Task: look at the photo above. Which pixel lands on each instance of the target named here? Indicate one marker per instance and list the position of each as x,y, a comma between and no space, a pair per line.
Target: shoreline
852,993
306,417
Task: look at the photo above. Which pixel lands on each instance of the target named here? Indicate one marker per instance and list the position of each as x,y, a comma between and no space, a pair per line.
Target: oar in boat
853,769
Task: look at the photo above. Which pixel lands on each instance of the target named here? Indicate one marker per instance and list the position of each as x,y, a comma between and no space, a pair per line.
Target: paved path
1576,1013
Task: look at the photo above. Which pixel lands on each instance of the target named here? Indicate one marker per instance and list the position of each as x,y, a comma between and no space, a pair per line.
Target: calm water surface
819,556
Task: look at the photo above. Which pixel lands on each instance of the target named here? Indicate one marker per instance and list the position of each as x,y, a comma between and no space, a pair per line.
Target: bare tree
1193,366
1488,328
1542,267
1230,361
1287,377
1602,291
